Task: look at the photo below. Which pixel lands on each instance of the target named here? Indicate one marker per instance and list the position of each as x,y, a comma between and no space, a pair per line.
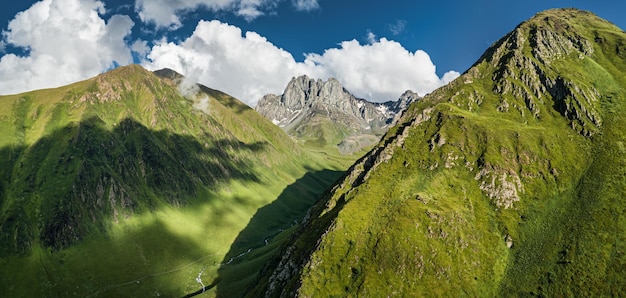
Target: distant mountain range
324,114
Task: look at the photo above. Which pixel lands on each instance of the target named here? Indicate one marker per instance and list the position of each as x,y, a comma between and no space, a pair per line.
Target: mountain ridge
122,176
505,181
138,117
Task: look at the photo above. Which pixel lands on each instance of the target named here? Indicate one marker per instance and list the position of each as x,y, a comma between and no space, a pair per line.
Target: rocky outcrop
306,102
529,76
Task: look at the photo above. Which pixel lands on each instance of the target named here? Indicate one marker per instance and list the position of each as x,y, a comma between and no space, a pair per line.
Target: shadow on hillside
228,101
148,260
80,177
246,257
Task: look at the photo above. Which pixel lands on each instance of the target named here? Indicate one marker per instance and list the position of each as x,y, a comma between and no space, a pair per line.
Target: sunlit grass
432,217
178,228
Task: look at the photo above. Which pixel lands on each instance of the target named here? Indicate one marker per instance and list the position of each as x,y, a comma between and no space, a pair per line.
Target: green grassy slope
510,181
119,186
320,132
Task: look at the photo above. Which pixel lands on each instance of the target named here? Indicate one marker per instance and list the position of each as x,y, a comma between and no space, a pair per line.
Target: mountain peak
528,64
567,13
504,182
551,34
409,96
125,71
328,106
168,73
301,90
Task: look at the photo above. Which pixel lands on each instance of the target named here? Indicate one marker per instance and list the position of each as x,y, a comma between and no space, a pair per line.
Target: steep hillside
509,181
119,185
325,115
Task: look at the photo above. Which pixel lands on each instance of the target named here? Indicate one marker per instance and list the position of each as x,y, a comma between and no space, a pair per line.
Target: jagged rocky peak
405,100
330,97
402,104
306,104
303,90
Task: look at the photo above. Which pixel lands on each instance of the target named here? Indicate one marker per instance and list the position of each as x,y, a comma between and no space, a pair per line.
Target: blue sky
248,48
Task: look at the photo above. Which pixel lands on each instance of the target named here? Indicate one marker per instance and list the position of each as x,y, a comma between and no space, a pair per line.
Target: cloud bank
66,41
217,55
381,70
248,66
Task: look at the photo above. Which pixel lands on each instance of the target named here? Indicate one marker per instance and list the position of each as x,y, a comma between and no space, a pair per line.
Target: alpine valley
121,186
508,181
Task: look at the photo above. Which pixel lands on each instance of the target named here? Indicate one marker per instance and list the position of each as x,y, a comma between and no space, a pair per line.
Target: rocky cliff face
324,113
507,181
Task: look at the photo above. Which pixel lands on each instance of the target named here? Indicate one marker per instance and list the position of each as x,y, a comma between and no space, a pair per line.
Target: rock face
323,113
509,181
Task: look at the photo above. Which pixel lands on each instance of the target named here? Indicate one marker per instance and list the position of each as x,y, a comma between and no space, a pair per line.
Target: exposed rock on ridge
306,102
529,76
507,181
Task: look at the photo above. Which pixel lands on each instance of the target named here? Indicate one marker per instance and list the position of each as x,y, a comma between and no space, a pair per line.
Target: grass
138,195
477,200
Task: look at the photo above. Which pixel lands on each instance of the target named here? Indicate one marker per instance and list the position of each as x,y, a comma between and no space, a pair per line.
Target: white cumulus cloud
140,47
381,70
248,66
218,56
66,41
